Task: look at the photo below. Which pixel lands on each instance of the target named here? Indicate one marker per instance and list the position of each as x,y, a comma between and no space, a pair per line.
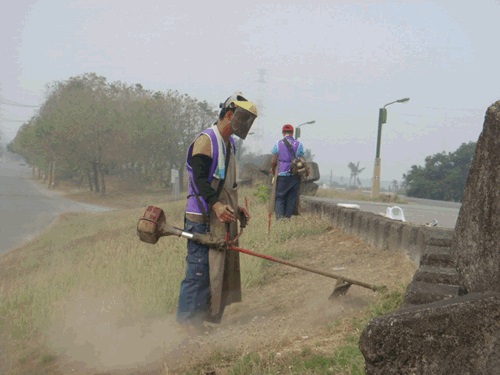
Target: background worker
287,183
212,280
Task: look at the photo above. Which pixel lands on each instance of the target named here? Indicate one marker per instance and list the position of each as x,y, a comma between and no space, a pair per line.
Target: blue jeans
287,193
194,295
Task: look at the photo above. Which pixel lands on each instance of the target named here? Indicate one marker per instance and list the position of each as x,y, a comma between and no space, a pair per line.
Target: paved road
416,211
27,208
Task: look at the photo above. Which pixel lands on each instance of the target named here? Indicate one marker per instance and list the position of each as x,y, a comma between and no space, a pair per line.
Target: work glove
223,212
243,216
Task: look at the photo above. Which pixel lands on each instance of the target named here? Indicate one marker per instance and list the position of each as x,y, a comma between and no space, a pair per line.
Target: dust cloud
94,334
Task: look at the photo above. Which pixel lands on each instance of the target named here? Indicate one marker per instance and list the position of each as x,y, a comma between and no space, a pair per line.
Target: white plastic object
395,213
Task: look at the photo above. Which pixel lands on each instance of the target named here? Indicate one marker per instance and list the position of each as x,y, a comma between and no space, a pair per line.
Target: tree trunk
96,176
89,176
49,175
103,182
52,173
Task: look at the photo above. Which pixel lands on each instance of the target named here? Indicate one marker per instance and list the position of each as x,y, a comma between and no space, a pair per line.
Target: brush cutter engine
153,224
150,224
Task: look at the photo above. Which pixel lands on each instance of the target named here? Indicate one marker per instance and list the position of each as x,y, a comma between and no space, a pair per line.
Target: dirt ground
287,314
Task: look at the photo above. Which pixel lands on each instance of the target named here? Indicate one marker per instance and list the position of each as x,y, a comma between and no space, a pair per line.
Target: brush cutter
153,225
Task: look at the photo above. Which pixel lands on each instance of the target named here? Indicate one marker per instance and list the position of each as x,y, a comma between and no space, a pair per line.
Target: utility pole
382,119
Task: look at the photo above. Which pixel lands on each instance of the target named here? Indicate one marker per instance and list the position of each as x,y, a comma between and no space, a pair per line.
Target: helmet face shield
242,121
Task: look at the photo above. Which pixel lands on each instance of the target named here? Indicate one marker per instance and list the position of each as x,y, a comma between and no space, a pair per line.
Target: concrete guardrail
382,232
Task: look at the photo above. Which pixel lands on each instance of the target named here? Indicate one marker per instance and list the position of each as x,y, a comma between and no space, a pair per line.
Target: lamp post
297,128
382,119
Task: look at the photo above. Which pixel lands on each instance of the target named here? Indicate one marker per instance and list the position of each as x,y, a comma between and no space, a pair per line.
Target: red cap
287,128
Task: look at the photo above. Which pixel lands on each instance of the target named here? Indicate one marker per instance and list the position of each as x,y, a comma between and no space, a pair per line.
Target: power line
10,120
6,101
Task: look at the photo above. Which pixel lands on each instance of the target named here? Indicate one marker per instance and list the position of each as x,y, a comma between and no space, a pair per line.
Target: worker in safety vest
287,183
212,279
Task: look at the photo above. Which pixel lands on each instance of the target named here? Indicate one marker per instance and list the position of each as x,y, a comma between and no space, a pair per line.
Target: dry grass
89,275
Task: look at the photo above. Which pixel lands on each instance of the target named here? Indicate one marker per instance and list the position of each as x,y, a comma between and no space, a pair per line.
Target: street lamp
382,119
297,128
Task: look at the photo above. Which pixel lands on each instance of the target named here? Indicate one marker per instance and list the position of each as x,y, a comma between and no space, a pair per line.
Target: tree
443,177
91,128
394,185
82,131
355,171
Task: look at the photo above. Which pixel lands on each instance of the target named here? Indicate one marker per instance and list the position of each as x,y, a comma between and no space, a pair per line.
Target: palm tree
355,171
394,185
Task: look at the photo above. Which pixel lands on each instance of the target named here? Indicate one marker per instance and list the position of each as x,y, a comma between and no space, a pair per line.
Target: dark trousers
194,295
287,193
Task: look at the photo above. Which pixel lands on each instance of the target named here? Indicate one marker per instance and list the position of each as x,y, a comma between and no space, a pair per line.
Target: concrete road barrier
378,230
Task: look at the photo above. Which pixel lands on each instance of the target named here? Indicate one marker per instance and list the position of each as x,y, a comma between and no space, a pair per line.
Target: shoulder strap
221,182
290,149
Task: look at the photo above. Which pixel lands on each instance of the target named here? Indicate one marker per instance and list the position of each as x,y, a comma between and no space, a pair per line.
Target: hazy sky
335,62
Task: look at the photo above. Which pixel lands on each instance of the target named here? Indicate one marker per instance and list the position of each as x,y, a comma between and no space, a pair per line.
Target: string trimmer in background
153,225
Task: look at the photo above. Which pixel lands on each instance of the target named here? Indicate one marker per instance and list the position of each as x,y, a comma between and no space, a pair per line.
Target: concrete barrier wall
378,230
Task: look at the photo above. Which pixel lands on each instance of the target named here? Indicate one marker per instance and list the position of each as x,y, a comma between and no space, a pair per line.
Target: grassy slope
100,255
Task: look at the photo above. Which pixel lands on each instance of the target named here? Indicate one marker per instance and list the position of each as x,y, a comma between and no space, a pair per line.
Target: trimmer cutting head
341,288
